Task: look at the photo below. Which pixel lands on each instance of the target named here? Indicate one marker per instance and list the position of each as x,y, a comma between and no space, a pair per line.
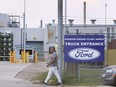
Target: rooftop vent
114,21
71,21
93,21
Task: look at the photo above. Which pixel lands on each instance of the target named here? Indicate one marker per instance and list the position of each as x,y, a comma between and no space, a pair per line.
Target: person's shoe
44,83
59,84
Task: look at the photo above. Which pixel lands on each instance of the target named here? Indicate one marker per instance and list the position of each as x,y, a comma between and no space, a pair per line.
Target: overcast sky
47,9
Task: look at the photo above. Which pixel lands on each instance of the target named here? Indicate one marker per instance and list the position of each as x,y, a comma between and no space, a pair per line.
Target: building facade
40,39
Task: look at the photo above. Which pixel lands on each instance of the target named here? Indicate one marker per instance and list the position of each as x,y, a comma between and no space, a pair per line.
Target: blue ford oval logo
84,53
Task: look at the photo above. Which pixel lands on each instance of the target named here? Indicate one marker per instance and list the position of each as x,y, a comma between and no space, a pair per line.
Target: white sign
84,53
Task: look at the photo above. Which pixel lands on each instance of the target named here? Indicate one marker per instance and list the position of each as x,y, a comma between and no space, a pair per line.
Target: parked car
109,75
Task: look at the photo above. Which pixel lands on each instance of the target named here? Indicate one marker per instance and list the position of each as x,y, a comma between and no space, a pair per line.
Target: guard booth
19,48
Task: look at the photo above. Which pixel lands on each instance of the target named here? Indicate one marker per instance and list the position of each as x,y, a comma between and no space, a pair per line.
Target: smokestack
41,23
84,13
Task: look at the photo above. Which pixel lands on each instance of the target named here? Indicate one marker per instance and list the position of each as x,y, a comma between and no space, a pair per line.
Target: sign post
60,33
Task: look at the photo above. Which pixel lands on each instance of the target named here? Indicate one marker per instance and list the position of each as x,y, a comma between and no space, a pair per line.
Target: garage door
38,46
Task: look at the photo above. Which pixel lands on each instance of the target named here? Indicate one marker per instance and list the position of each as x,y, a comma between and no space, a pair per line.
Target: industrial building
40,39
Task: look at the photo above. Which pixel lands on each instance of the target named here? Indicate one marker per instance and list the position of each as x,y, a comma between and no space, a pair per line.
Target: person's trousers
53,70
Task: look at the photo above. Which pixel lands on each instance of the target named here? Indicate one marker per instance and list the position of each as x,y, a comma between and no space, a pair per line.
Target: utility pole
24,34
66,29
60,34
24,42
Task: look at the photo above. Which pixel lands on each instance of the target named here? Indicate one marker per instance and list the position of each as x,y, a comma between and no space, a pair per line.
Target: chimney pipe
93,21
114,21
41,23
71,21
53,21
84,13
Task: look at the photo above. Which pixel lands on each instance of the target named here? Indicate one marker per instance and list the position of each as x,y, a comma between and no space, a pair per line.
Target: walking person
53,67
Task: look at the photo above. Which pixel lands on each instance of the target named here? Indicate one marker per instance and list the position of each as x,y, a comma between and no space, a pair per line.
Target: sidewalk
9,71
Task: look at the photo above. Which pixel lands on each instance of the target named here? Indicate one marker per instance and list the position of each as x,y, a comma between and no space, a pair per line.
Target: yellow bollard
36,57
24,57
11,58
27,57
14,56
